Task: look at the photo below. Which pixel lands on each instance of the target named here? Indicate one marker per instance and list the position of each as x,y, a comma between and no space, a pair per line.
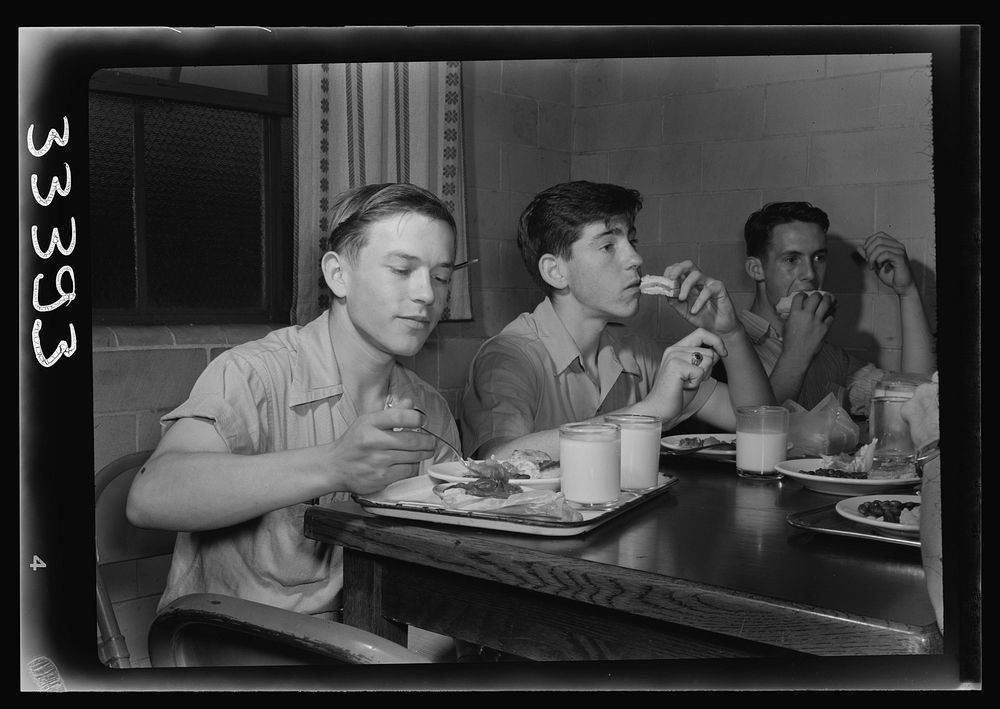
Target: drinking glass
640,444
590,458
761,440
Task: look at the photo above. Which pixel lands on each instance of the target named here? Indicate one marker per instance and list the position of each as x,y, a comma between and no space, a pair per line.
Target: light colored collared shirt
833,369
530,377
279,393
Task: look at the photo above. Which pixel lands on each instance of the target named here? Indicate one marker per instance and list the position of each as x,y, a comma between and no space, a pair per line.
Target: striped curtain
358,124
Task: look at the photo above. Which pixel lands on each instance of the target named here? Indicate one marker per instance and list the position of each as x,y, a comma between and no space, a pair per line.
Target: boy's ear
755,269
335,274
551,269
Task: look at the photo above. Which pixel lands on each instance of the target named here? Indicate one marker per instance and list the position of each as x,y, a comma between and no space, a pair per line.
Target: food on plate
894,511
783,306
499,487
496,491
658,285
697,442
523,464
835,473
858,466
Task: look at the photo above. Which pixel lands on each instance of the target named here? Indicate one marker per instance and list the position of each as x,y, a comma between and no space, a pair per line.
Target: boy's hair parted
555,218
356,209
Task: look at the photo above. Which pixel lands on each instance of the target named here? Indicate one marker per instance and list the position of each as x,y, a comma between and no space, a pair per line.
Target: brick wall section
708,140
140,373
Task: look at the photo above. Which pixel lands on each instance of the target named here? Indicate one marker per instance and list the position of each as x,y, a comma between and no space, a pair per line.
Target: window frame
274,107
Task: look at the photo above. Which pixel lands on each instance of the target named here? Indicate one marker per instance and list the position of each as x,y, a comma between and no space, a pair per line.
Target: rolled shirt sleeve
230,395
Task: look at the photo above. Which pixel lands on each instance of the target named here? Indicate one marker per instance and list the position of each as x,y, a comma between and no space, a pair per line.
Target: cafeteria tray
424,510
826,520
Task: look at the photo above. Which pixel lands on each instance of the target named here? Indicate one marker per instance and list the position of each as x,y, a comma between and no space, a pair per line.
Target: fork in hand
456,451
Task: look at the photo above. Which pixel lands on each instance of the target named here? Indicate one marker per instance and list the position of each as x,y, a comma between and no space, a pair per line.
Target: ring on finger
696,358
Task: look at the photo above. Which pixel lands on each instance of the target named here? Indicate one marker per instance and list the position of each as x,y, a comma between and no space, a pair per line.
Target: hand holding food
807,322
701,300
784,306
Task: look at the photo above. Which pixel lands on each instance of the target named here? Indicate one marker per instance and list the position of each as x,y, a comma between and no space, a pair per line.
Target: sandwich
659,285
784,306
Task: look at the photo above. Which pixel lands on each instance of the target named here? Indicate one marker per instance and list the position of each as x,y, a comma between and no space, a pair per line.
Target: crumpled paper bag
826,429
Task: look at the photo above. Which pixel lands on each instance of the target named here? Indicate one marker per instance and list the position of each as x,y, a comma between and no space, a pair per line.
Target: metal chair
208,629
212,630
117,540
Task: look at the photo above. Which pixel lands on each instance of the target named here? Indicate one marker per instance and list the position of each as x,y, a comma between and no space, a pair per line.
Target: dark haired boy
786,255
562,362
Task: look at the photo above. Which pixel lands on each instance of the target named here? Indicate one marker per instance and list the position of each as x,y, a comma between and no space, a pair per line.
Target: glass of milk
640,450
761,440
590,459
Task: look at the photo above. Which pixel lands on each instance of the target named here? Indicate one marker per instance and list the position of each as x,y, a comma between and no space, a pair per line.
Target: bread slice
658,285
783,306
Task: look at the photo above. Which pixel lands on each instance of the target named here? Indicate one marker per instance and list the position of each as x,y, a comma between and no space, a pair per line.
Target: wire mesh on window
112,232
204,221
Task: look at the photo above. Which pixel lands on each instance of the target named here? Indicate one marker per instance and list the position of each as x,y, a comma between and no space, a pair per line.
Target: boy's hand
690,359
808,322
379,449
702,301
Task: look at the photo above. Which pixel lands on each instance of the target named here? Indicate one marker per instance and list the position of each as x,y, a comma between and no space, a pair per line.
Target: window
190,195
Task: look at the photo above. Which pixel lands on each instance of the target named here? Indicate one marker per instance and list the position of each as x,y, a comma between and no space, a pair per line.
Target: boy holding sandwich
565,362
786,256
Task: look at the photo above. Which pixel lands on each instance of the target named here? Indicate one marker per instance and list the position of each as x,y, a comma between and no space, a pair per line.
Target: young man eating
562,362
308,412
786,253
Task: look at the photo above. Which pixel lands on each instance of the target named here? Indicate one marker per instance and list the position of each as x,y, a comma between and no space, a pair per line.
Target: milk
759,452
640,458
590,459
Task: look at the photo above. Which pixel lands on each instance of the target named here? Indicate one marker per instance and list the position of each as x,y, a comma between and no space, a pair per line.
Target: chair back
115,540
213,630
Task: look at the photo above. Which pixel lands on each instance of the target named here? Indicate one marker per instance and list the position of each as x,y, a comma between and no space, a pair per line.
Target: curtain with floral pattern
362,123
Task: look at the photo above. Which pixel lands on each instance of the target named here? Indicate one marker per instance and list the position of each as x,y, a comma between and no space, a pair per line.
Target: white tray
421,507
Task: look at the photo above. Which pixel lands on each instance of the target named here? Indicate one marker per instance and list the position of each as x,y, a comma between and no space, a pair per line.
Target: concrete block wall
708,140
139,374
518,128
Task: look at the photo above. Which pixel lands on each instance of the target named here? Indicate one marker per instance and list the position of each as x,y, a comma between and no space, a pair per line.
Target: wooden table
709,569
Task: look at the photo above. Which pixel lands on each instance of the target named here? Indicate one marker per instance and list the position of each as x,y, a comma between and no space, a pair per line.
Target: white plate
838,486
848,509
673,443
455,472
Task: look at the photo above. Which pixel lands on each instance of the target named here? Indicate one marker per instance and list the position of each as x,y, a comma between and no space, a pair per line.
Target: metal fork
456,451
